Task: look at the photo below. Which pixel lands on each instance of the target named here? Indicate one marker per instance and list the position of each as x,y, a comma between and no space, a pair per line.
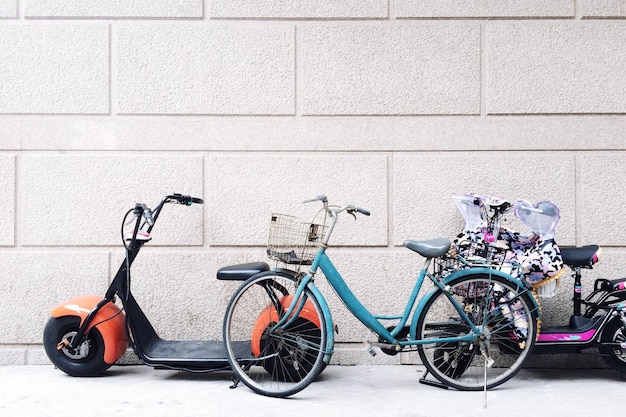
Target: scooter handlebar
185,199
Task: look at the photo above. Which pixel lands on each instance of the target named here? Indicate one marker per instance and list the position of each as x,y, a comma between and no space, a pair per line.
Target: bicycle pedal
370,348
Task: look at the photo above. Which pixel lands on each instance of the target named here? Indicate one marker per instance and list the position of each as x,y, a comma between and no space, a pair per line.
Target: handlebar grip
363,211
186,199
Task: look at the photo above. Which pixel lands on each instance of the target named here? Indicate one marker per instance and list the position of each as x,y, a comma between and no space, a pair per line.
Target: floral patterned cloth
534,257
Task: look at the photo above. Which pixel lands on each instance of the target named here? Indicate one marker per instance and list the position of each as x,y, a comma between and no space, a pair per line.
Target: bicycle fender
330,327
308,312
419,308
269,315
463,273
112,323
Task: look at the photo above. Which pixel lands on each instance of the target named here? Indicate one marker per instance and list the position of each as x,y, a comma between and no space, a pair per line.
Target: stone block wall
257,105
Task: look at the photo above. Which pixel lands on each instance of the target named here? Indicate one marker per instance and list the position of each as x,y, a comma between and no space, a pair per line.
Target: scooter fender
269,315
109,321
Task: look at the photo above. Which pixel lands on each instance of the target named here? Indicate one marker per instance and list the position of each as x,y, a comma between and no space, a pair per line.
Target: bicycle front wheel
273,353
503,312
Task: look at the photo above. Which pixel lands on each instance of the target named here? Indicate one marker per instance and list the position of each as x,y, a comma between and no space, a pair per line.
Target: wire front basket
292,240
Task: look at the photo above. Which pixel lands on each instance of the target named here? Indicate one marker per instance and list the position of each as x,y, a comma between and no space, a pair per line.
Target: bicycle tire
275,362
510,320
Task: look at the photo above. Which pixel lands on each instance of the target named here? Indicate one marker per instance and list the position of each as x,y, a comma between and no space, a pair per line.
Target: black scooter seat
581,257
241,272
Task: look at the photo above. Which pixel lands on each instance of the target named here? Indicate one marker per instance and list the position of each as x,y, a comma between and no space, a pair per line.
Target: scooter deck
565,339
188,355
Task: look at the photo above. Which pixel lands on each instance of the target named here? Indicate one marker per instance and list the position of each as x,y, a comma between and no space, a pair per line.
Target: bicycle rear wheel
504,312
272,359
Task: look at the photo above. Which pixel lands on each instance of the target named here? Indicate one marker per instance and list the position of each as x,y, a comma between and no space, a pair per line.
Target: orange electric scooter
86,335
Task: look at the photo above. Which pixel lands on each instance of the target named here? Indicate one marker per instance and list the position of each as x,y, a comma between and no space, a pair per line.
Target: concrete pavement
140,391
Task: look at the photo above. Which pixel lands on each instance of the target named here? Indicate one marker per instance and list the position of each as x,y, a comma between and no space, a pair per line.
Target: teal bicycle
473,330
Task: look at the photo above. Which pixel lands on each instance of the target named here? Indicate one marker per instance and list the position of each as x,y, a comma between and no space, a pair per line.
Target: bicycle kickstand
488,364
432,383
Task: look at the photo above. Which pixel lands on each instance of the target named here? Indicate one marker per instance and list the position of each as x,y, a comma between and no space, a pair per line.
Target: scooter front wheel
274,352
86,360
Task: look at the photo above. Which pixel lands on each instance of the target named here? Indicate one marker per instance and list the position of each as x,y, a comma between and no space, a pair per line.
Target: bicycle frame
371,321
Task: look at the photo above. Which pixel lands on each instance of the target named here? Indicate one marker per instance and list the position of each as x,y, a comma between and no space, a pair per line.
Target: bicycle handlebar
333,212
336,210
320,197
363,211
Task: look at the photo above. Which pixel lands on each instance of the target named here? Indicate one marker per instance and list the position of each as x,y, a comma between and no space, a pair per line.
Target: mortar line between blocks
577,193
390,213
483,69
113,70
296,76
16,198
21,9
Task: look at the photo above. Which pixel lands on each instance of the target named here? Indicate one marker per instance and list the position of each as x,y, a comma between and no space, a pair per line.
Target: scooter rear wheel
614,332
273,360
86,359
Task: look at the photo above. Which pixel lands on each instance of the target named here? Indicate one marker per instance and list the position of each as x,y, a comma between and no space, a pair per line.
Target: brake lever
147,214
142,210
